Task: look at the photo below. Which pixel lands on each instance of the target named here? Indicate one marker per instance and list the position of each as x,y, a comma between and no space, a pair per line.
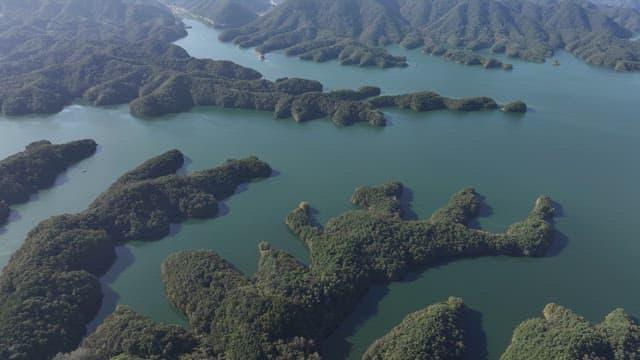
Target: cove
579,144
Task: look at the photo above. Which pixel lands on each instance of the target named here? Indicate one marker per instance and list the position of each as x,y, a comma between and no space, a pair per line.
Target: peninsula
287,308
50,290
36,168
144,69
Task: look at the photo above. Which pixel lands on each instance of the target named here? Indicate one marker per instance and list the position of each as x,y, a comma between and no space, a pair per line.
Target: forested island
466,57
36,168
562,334
142,67
50,289
435,332
287,308
530,30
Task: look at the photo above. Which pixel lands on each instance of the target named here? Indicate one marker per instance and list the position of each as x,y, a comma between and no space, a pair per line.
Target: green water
579,144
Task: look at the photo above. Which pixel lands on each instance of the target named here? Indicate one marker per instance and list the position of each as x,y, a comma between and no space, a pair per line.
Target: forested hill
119,51
221,13
524,29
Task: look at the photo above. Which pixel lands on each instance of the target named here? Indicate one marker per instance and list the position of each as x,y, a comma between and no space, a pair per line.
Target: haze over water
579,144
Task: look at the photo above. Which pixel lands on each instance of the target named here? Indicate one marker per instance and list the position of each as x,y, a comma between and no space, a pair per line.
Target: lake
579,144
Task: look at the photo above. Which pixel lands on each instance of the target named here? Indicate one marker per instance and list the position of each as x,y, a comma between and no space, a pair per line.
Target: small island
50,288
436,332
466,57
517,106
36,168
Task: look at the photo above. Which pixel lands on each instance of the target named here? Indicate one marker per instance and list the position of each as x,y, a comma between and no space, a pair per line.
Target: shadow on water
560,240
476,339
559,213
367,307
406,199
174,229
484,211
223,208
124,259
62,179
185,165
13,217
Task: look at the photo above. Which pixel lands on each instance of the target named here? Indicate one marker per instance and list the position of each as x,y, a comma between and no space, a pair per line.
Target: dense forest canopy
562,334
37,167
120,51
79,49
50,289
435,332
527,29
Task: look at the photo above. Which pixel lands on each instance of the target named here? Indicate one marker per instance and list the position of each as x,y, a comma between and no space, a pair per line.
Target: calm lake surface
579,144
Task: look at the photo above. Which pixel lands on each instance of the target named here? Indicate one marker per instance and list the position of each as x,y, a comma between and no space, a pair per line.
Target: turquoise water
579,144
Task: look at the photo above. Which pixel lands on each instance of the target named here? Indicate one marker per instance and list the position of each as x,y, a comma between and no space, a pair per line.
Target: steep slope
221,13
530,30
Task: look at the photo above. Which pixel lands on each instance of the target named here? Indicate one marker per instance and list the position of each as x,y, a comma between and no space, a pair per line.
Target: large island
287,308
50,290
89,57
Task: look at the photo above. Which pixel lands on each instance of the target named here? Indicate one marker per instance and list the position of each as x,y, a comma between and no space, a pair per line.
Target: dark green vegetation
286,308
36,168
466,57
564,335
90,57
125,332
50,290
82,51
429,101
436,332
55,51
4,212
531,30
517,106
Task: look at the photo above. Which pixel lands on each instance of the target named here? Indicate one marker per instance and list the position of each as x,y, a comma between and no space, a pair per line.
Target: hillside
435,332
287,308
77,49
221,13
50,288
37,167
562,334
522,29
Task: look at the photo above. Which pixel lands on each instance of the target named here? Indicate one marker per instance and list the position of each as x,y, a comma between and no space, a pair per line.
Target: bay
579,144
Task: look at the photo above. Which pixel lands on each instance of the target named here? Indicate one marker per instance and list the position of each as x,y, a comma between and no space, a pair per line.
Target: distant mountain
222,13
632,4
530,30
